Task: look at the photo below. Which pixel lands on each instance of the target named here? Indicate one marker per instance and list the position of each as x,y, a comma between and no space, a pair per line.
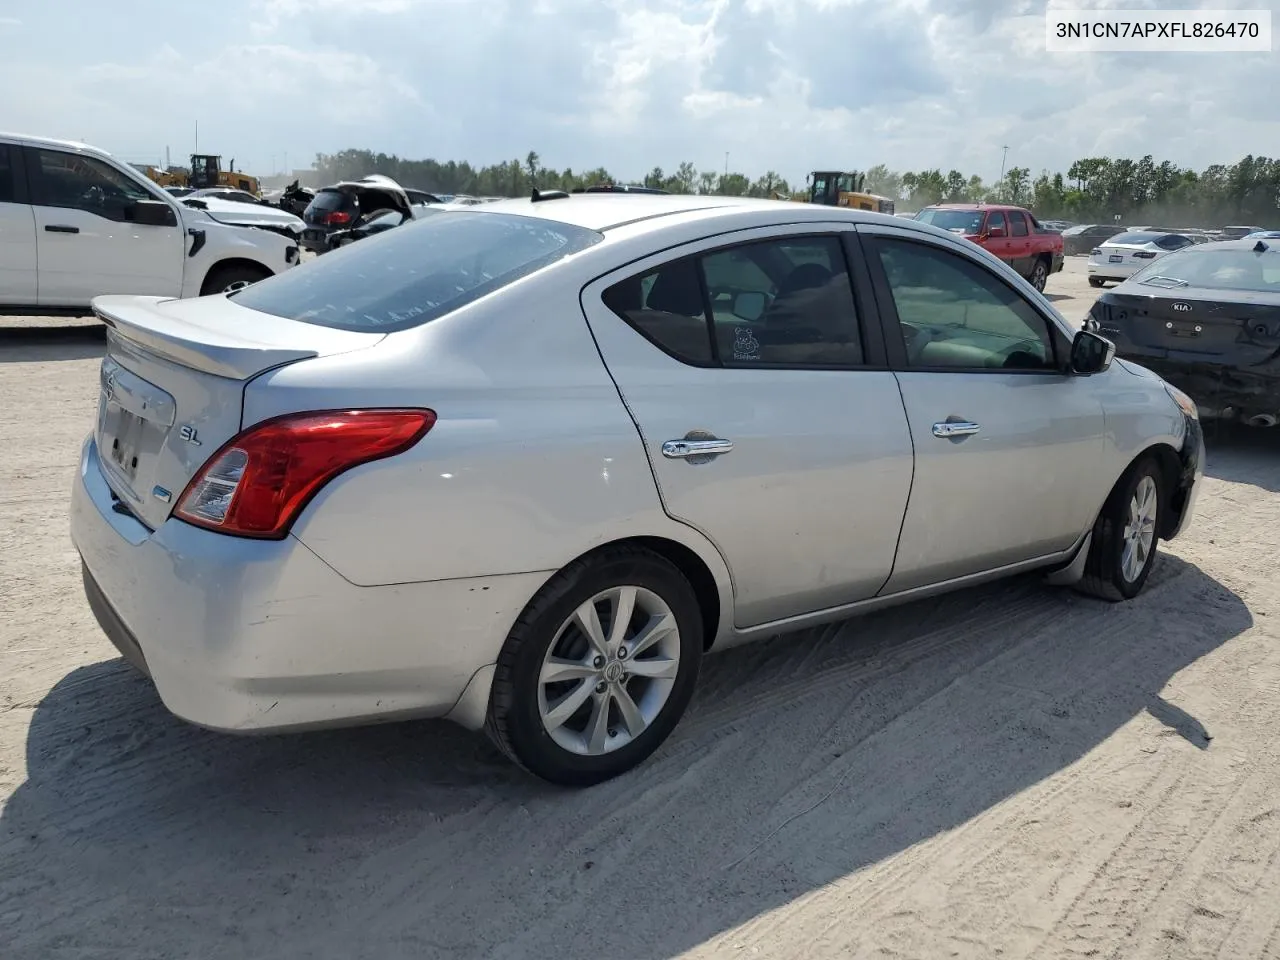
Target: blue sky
791,85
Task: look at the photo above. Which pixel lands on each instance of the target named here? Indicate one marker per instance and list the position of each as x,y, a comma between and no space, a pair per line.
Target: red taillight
337,218
1144,254
259,481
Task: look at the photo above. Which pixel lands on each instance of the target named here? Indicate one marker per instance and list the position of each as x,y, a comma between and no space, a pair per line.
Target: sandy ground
1013,772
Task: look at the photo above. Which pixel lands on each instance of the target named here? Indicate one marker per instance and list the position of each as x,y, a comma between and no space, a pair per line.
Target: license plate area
1185,329
122,435
1115,258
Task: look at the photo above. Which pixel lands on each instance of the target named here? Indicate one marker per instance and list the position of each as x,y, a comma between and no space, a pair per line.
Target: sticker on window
745,344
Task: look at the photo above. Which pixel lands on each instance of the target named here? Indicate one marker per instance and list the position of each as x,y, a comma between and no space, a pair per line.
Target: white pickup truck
76,223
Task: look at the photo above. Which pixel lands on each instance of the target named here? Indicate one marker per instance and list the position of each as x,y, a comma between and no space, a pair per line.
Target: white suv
76,223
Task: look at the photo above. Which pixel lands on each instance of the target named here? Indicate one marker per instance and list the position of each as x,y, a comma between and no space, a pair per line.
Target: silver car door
769,425
1006,442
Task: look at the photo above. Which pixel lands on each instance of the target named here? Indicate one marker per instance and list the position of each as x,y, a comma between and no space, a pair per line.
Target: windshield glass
418,272
1216,270
967,220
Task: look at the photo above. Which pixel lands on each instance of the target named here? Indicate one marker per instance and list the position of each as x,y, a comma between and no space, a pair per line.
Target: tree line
1093,189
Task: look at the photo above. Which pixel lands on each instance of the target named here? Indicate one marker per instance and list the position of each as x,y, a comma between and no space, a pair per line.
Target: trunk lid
1194,325
1128,255
172,386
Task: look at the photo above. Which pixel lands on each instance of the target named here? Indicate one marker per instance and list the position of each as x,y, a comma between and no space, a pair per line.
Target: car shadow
803,759
41,344
1243,454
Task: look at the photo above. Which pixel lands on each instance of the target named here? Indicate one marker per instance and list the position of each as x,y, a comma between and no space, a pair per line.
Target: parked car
226,193
1084,237
1237,232
260,215
75,222
343,205
1125,254
179,191
563,448
1010,233
1263,235
1207,319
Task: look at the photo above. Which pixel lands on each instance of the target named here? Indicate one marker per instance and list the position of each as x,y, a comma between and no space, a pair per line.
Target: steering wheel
1023,355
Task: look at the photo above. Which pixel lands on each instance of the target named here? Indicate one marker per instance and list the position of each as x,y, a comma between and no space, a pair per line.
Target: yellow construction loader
836,189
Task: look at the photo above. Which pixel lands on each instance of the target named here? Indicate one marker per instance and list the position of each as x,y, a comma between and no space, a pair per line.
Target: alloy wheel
1139,529
609,671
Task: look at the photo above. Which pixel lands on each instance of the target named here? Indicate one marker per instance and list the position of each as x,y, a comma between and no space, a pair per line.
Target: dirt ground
1012,772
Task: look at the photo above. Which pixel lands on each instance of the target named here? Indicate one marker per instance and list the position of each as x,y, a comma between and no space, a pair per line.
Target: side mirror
1091,353
151,213
749,306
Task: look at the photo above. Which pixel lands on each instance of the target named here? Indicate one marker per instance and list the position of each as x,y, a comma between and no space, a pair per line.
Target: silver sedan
523,466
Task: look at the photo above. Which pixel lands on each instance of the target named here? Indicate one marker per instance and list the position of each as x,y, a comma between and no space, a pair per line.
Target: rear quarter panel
532,462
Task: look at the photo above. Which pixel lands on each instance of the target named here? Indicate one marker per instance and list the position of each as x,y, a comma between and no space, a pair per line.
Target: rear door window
785,302
1018,224
416,273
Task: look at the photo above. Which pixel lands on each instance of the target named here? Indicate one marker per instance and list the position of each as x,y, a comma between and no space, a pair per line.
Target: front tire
1126,535
599,668
232,277
1095,282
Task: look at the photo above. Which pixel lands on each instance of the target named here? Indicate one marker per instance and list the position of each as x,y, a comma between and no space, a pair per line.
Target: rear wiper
1172,281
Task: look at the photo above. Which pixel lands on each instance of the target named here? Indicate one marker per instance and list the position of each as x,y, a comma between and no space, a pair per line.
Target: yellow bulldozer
205,171
837,189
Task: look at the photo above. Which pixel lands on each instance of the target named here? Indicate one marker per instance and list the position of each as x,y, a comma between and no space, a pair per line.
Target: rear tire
1039,275
614,700
1126,535
1095,282
232,277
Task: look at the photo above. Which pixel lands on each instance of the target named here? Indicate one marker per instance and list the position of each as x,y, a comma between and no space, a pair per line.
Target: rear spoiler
141,320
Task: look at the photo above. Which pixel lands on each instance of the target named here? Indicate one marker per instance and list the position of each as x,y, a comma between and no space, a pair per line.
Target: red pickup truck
1011,233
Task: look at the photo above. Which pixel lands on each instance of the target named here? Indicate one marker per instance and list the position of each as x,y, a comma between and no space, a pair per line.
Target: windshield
967,220
418,272
1212,269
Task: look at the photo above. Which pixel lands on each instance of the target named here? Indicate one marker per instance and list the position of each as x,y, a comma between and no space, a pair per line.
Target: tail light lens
259,481
337,218
1144,254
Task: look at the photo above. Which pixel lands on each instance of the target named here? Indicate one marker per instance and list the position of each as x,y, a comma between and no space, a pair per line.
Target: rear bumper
315,239
243,635
1058,260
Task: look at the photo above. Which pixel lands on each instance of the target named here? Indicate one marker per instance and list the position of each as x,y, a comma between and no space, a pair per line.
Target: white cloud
791,85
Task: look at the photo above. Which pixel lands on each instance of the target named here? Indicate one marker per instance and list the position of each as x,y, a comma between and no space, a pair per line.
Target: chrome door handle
955,428
680,449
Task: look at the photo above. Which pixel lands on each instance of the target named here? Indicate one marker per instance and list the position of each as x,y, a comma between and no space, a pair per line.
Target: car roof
974,206
34,141
605,211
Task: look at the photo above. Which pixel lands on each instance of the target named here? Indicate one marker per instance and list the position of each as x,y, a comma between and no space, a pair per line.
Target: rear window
8,181
1135,237
967,220
1215,270
416,273
330,200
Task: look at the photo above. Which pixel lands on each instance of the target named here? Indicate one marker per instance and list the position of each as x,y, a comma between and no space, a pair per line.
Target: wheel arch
229,262
1170,465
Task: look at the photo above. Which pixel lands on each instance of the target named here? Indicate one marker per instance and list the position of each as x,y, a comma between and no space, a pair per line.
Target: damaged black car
343,206
1206,319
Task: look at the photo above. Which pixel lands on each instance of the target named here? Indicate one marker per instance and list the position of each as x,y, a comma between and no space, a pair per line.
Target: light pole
1004,156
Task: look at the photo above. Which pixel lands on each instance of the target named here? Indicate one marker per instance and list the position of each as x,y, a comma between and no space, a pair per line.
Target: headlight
1185,403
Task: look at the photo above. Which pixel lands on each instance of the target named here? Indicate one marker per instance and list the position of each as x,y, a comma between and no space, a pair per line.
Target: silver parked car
524,466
